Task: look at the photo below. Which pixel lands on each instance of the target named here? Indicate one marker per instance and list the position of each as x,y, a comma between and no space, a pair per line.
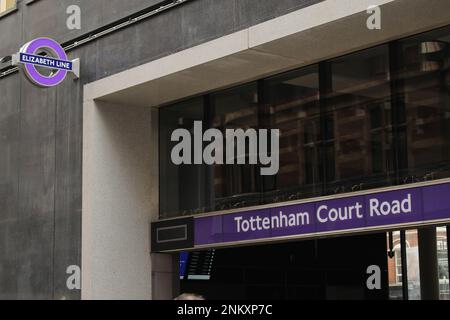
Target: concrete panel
9,96
274,46
49,17
11,39
250,12
206,20
9,183
330,11
117,209
184,60
8,261
33,241
68,152
9,136
162,281
159,36
165,276
301,39
235,69
35,212
113,55
116,9
180,28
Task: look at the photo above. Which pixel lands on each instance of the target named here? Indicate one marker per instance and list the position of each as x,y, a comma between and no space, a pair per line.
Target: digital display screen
196,265
184,257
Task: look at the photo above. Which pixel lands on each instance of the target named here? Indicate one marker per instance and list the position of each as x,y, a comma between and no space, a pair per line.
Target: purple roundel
33,47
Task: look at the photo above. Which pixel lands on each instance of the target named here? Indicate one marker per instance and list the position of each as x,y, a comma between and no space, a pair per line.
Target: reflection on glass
292,105
374,118
424,76
359,113
395,266
395,270
182,188
412,258
442,254
234,185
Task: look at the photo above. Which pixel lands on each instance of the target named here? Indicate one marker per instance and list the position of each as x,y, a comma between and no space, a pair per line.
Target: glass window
182,188
374,118
291,105
424,79
358,143
7,5
442,254
234,185
412,258
395,266
398,265
189,189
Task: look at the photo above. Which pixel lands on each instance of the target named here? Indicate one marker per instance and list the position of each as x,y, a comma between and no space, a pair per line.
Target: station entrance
323,269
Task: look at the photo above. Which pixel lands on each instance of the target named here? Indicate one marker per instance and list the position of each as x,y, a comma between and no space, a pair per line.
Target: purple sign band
397,207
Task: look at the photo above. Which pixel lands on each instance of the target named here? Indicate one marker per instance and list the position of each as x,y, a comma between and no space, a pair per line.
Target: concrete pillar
165,276
120,200
429,277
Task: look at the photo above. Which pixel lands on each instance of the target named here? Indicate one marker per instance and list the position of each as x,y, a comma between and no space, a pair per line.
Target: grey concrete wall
41,129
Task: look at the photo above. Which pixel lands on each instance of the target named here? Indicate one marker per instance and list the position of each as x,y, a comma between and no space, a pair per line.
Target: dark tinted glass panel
424,89
182,188
291,104
357,139
234,185
373,118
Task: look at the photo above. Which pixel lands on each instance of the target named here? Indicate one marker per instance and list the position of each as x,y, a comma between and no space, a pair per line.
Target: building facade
86,177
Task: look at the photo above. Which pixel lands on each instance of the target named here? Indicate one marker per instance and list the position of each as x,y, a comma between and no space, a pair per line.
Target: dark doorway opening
332,268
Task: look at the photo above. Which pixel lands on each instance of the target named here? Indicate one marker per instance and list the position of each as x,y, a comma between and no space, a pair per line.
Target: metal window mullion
404,265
